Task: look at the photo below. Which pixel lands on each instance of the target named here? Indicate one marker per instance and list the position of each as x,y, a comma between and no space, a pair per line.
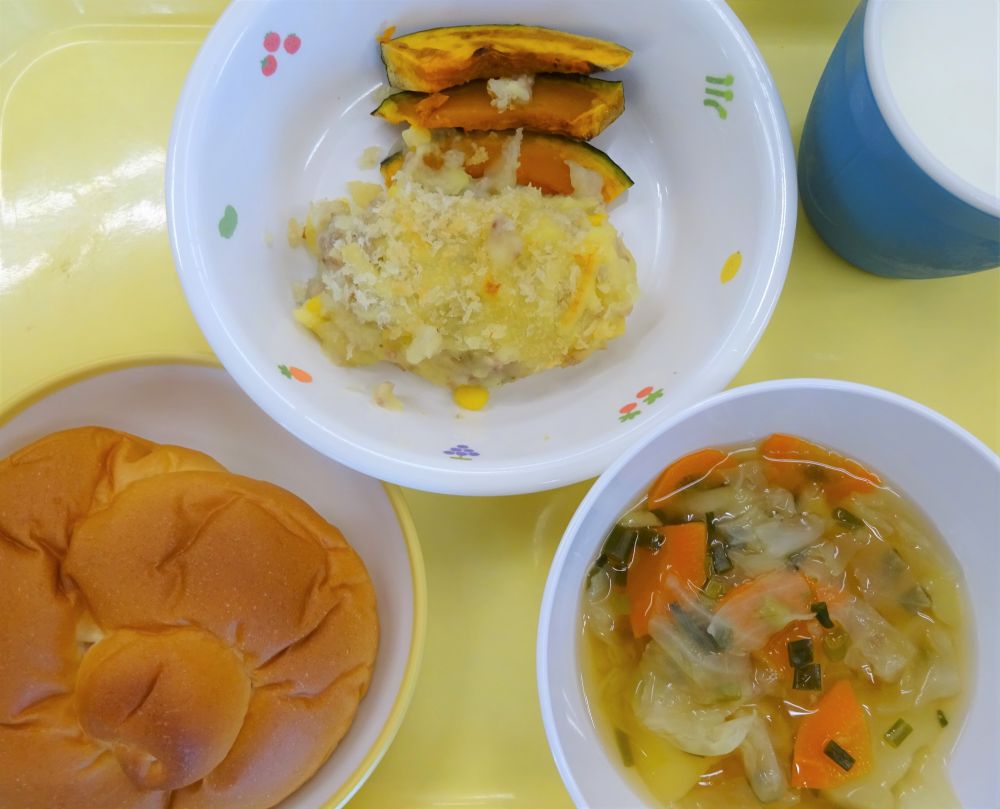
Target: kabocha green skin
578,107
607,166
390,165
496,51
616,181
510,51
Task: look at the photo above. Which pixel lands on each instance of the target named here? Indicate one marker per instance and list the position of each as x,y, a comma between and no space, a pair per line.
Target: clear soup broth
773,625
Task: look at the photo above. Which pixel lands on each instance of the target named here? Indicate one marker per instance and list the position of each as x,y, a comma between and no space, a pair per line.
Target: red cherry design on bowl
268,65
271,42
292,43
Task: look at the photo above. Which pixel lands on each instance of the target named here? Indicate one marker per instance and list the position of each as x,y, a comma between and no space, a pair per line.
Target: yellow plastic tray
86,281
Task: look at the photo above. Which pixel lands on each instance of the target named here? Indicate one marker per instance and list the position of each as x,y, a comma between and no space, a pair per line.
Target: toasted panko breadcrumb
466,281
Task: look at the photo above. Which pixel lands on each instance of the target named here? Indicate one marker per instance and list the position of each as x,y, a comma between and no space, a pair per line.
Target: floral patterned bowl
275,113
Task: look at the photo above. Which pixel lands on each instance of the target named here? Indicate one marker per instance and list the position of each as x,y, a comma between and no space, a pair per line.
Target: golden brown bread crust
38,651
50,484
46,488
236,630
169,703
46,764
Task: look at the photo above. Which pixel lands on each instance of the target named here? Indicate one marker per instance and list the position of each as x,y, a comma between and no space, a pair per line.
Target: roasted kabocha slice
574,106
431,60
544,161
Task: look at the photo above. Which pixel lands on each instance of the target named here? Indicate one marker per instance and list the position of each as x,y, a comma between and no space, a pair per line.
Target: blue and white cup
899,165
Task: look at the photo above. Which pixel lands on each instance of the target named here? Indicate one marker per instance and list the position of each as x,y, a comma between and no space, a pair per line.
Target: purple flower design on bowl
461,452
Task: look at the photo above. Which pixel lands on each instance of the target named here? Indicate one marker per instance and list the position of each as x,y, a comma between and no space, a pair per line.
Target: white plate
703,135
203,409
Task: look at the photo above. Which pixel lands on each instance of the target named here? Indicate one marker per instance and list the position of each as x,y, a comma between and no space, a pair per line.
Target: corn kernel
314,305
308,319
597,219
471,397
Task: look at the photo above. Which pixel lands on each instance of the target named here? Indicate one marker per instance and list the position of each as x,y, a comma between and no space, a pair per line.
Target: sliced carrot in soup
775,653
791,463
705,464
840,719
752,612
652,574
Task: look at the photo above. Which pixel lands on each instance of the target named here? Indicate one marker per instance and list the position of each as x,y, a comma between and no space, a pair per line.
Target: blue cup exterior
867,197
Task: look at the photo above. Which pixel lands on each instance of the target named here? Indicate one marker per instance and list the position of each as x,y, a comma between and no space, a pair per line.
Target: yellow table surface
86,280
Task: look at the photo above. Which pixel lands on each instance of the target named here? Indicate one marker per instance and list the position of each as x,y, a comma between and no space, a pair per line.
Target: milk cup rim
931,165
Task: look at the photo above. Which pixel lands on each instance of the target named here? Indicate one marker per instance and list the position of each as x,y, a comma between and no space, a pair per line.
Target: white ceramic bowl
957,490
202,408
703,135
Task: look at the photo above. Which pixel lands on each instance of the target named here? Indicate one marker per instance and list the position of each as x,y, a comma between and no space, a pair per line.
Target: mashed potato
464,281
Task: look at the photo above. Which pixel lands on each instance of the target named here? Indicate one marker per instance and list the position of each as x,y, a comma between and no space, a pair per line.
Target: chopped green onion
616,570
620,544
897,734
808,678
721,563
715,588
800,652
822,614
835,643
624,747
842,515
838,755
718,551
649,537
599,565
942,719
718,554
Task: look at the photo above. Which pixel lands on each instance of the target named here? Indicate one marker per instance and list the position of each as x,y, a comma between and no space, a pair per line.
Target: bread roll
169,703
46,487
170,633
48,762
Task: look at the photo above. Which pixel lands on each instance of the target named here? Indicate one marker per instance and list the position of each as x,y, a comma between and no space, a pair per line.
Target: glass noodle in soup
774,625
